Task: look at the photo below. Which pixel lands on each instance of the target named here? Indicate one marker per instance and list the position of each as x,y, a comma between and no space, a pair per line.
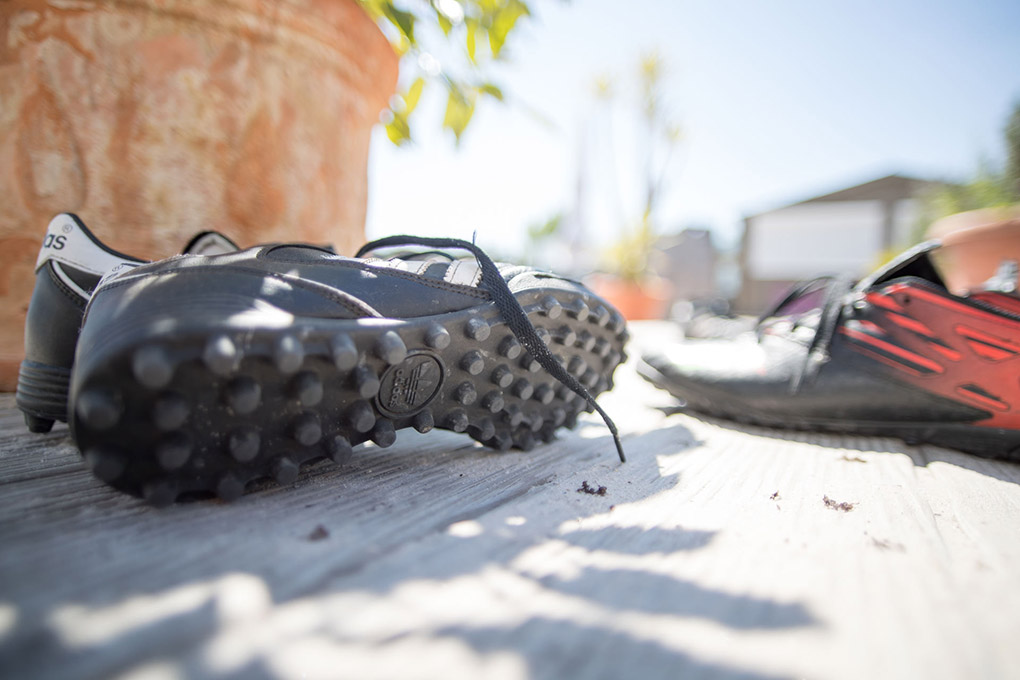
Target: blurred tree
991,187
479,27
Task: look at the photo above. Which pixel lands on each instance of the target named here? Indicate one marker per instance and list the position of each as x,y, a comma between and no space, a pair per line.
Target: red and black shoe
896,354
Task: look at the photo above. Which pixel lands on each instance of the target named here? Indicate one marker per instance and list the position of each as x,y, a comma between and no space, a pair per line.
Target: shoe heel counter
51,331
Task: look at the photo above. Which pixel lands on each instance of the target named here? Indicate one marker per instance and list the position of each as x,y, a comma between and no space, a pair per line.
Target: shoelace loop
514,315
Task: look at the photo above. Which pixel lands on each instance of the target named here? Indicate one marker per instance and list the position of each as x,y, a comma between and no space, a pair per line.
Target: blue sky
778,101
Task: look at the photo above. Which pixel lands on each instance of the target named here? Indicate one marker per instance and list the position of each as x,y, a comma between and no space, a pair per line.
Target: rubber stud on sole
243,395
477,329
344,352
307,430
285,471
465,393
152,367
307,388
384,434
503,376
170,412
390,348
229,488
105,463
159,494
424,422
473,362
173,451
361,416
510,347
37,424
221,355
243,444
457,420
340,449
288,354
99,409
437,337
366,381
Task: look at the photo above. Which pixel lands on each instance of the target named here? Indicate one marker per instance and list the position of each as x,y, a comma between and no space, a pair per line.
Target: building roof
888,188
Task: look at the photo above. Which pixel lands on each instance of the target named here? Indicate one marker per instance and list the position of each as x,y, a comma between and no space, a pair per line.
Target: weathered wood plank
437,558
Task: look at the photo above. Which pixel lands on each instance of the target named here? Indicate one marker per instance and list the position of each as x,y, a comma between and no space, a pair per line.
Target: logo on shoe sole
410,385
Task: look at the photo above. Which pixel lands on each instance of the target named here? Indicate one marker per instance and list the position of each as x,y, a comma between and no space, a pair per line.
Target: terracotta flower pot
974,245
154,119
636,300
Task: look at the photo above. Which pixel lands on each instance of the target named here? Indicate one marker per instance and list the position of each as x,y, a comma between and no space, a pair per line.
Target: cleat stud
344,352
602,347
551,307
288,354
221,355
477,329
243,395
361,416
340,449
170,411
390,348
152,367
566,336
229,488
529,363
510,347
307,388
601,316
525,440
580,310
544,335
589,378
501,441
105,463
465,393
159,494
493,401
558,416
384,434
576,366
473,362
586,341
613,358
173,451
424,422
38,425
437,337
513,415
523,389
544,393
99,409
306,429
503,376
285,471
244,444
457,420
366,381
486,429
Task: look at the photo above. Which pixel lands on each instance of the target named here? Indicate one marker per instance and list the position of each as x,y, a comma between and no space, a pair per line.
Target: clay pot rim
966,226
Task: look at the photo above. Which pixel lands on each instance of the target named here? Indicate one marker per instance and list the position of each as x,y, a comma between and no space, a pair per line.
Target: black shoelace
514,315
836,289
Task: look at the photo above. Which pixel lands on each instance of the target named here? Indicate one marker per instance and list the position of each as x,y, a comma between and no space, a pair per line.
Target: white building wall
832,237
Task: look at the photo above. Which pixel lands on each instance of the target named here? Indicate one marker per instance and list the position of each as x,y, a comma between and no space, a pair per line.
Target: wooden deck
712,553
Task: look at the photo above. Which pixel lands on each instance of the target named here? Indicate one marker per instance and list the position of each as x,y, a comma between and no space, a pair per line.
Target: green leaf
459,109
472,31
491,90
398,129
404,21
444,23
413,95
503,22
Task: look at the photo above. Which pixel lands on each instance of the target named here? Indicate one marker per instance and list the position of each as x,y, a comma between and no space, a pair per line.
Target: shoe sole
210,411
987,442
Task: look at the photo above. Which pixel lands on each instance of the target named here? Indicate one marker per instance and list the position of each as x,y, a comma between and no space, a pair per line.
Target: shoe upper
896,347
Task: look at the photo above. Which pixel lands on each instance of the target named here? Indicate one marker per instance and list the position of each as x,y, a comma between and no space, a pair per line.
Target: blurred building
845,232
688,261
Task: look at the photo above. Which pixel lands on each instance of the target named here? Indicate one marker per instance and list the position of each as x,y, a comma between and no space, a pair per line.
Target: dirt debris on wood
589,489
842,506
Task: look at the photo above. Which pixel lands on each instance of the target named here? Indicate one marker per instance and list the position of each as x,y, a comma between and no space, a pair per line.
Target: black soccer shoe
201,374
895,355
70,264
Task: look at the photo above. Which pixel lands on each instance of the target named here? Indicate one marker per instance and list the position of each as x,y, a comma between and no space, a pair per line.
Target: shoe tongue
300,252
916,262
210,243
